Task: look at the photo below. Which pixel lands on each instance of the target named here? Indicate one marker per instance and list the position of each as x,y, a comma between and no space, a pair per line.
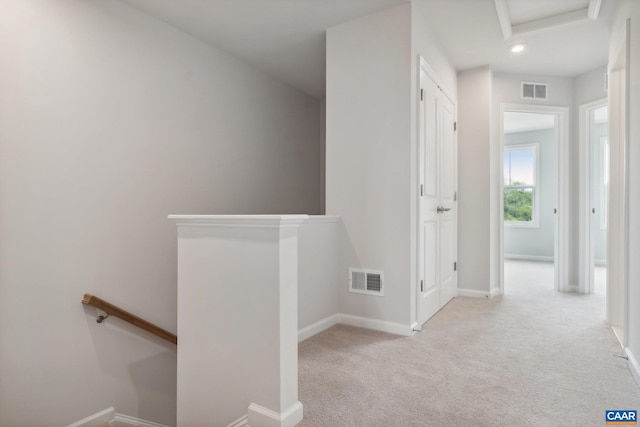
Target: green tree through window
520,183
518,204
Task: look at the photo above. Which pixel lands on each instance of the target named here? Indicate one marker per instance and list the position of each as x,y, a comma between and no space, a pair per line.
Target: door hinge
455,126
421,285
422,189
455,196
421,94
455,266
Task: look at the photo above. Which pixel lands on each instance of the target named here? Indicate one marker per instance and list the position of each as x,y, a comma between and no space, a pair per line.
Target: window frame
535,212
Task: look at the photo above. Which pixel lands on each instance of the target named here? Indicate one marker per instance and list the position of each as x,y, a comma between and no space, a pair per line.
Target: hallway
533,357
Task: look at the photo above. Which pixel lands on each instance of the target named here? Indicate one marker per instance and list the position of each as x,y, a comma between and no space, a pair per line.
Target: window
521,194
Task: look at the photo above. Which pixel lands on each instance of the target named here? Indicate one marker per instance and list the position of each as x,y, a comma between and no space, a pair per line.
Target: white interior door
447,216
437,216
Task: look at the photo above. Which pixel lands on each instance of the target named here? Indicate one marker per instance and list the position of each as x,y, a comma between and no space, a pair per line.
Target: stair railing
116,311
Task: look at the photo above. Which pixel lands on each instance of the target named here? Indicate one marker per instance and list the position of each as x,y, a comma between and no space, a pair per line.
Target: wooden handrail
116,311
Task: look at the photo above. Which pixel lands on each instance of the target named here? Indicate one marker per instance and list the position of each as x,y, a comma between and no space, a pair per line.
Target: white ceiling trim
587,14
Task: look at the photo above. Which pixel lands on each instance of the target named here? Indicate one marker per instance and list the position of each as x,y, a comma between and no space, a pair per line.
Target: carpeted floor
534,357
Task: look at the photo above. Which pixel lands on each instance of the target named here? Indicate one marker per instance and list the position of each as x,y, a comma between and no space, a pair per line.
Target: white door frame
618,263
561,244
586,259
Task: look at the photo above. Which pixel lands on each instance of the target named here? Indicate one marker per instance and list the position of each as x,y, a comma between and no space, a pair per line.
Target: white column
237,320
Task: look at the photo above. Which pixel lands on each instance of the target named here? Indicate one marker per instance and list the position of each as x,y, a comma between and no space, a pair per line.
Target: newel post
237,320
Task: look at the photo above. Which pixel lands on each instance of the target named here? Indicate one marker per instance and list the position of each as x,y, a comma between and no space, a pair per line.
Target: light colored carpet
534,357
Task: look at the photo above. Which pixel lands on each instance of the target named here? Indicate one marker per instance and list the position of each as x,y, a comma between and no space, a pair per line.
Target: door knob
442,209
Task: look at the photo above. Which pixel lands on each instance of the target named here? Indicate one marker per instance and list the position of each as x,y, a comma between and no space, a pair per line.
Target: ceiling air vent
368,282
534,90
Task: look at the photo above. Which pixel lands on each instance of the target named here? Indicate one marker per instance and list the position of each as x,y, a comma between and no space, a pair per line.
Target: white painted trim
543,25
529,257
585,249
472,293
594,9
240,422
621,59
502,9
97,419
317,327
125,421
573,288
562,265
109,415
619,335
358,321
376,325
260,416
587,14
244,221
635,366
322,219
495,292
424,65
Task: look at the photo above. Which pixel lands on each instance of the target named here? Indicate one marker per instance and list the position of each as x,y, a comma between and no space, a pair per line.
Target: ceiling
285,38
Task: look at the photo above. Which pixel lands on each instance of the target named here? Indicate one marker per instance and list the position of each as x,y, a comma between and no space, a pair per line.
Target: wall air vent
534,90
370,282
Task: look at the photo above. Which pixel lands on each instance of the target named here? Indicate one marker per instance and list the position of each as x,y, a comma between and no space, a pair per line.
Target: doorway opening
534,144
595,155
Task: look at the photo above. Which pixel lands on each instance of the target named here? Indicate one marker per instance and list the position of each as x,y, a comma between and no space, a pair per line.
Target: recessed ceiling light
517,48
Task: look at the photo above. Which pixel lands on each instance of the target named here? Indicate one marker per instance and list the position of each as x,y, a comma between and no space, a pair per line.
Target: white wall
368,154
474,168
631,10
110,120
589,86
371,163
318,272
536,242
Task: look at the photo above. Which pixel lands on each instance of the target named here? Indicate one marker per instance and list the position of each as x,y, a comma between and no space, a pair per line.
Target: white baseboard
351,320
472,293
376,325
573,288
317,327
126,421
109,415
97,419
495,292
529,257
263,417
635,366
240,422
